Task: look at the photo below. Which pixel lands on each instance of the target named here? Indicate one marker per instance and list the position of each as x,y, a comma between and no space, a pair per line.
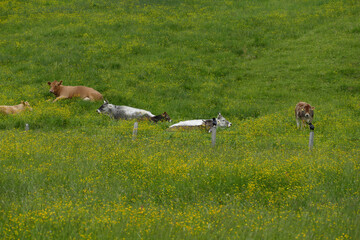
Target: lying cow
61,91
16,108
126,113
305,113
220,121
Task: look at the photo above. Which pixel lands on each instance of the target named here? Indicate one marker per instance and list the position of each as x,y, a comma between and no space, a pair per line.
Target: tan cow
305,113
61,91
15,109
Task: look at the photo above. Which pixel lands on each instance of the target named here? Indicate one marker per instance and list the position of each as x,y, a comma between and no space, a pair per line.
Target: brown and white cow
303,112
61,91
15,109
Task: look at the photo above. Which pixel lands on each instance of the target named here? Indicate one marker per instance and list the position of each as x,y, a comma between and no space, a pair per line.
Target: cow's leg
303,124
59,98
297,123
86,99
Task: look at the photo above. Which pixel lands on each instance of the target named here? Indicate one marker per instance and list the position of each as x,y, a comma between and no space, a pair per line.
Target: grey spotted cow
126,113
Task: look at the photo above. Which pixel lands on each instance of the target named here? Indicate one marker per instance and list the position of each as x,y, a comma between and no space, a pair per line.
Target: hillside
79,174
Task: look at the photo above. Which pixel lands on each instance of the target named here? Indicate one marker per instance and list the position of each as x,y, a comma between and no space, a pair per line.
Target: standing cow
126,112
61,91
303,112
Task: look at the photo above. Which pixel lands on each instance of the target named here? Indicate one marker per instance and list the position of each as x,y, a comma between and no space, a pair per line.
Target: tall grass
78,174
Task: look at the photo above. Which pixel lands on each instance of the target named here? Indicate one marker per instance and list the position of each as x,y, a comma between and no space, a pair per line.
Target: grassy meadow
77,174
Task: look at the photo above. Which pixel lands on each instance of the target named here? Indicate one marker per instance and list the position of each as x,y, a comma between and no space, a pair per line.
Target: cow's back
79,91
87,92
126,112
189,124
12,109
6,109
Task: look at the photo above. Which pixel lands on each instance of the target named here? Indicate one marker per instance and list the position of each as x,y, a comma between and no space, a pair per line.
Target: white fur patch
130,111
189,123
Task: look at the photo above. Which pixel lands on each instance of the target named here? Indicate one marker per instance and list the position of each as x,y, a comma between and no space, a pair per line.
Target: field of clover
77,174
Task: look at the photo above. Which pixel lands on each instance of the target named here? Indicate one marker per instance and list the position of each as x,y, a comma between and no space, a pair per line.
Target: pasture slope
79,175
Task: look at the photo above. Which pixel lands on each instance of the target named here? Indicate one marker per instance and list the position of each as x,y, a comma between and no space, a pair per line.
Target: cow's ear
60,83
312,108
49,83
22,102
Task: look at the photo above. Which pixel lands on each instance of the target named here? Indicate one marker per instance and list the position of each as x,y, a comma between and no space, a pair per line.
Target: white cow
220,121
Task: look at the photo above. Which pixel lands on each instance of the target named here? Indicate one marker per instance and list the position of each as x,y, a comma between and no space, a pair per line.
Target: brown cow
61,91
303,112
15,109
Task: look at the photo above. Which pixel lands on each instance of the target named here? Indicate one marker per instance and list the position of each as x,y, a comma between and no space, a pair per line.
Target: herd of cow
303,111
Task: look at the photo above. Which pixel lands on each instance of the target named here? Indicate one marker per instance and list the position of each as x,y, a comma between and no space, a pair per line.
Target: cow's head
105,108
210,122
308,112
26,105
222,122
166,116
54,86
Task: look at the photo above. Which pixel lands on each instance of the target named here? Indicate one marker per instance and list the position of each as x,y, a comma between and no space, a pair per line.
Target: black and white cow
126,113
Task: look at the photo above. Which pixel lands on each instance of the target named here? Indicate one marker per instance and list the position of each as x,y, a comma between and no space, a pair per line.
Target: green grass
77,174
